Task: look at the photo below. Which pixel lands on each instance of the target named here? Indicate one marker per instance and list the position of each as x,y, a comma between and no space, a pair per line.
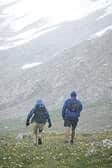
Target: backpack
40,108
72,109
40,112
72,106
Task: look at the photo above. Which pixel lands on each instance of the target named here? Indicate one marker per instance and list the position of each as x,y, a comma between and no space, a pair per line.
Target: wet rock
107,143
21,136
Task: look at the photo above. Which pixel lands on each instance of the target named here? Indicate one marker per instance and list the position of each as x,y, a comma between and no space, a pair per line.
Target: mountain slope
86,68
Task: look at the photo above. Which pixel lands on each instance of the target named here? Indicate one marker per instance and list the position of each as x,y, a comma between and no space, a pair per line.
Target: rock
21,136
107,143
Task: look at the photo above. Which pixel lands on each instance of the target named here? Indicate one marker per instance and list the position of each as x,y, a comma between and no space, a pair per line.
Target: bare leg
35,132
41,127
72,135
67,134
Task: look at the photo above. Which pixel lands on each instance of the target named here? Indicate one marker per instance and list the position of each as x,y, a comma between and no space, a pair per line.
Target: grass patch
87,152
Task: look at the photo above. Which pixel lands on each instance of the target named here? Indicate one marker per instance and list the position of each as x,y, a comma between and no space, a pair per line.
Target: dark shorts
71,123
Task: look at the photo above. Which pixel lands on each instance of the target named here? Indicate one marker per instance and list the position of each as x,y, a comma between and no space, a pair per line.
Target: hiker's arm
48,119
29,116
64,109
80,107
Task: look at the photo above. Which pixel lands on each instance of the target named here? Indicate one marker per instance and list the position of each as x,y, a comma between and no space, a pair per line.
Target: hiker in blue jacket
70,114
38,116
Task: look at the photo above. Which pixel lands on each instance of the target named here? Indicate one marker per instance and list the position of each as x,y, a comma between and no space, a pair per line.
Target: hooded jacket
39,114
66,112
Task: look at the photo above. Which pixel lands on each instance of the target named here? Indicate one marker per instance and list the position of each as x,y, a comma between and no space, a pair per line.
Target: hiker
38,117
71,113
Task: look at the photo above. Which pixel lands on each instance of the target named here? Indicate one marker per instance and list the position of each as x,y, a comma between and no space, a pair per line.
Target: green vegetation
12,125
88,152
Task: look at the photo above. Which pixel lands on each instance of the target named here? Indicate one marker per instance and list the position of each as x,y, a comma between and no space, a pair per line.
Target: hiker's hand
50,125
27,123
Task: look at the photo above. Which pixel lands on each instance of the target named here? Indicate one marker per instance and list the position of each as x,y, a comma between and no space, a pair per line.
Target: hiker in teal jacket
38,116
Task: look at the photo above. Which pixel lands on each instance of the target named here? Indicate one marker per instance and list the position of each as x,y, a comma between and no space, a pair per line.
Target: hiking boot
39,141
71,142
